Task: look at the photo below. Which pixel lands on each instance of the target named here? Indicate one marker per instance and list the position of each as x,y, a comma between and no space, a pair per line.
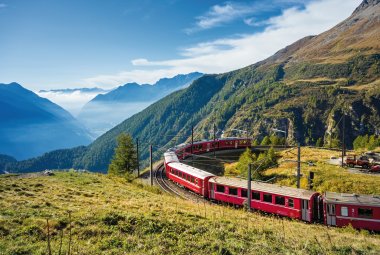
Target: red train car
234,143
190,177
169,157
359,211
290,202
199,147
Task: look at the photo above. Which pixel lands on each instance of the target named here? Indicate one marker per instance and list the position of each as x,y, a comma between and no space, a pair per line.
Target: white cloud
72,102
221,14
227,54
2,5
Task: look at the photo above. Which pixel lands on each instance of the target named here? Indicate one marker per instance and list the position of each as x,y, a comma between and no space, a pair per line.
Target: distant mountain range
305,88
31,125
107,110
69,91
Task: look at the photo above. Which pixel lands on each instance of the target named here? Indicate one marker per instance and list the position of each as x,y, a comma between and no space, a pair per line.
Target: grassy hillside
110,216
327,177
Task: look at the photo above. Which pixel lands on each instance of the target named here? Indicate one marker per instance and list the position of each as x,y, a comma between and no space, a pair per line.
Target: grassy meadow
112,216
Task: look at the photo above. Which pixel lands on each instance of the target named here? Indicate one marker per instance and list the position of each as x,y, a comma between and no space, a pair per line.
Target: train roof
179,146
191,170
353,199
264,187
170,157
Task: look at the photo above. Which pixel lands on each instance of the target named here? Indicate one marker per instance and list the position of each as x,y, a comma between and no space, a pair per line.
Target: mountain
305,88
32,125
82,90
100,114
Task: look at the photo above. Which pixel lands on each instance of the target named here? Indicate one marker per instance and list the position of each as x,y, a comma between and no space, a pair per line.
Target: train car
234,143
286,201
359,211
189,177
169,157
199,147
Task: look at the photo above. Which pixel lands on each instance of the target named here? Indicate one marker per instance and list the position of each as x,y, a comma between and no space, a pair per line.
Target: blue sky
46,44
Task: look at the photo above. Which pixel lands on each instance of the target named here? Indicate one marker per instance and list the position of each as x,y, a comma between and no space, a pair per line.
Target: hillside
107,110
110,216
32,125
306,87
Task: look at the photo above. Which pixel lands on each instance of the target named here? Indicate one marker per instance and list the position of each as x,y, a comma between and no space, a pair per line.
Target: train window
290,202
365,213
255,195
220,188
280,200
243,193
331,209
196,181
192,180
188,177
233,191
267,198
344,211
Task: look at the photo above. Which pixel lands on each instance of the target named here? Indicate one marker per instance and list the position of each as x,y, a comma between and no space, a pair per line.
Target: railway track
172,188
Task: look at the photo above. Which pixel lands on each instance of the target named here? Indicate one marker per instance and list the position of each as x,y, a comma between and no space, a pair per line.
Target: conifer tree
124,159
265,141
244,160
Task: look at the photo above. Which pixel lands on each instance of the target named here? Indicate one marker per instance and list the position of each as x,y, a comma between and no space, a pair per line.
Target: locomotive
330,208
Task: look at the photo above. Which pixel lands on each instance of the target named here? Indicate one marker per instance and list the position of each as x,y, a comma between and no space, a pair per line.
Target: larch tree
124,161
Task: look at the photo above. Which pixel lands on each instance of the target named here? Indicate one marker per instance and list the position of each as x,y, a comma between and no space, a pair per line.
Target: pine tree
244,160
124,159
265,141
319,142
274,140
372,142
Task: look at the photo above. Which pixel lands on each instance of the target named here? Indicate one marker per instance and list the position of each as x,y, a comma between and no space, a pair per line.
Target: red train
333,209
199,147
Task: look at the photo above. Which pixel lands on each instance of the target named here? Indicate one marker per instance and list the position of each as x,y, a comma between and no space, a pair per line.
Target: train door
305,210
331,216
212,190
236,144
208,146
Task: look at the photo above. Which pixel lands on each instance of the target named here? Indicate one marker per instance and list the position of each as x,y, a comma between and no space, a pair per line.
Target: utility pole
137,157
214,142
343,139
249,190
151,165
310,180
192,142
298,166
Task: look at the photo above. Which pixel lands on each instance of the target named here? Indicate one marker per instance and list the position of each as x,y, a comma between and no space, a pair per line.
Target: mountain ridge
29,120
100,114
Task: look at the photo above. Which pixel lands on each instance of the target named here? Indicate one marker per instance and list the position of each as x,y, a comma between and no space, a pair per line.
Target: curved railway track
172,188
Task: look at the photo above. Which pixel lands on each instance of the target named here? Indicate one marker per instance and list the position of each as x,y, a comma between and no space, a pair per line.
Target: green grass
112,216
